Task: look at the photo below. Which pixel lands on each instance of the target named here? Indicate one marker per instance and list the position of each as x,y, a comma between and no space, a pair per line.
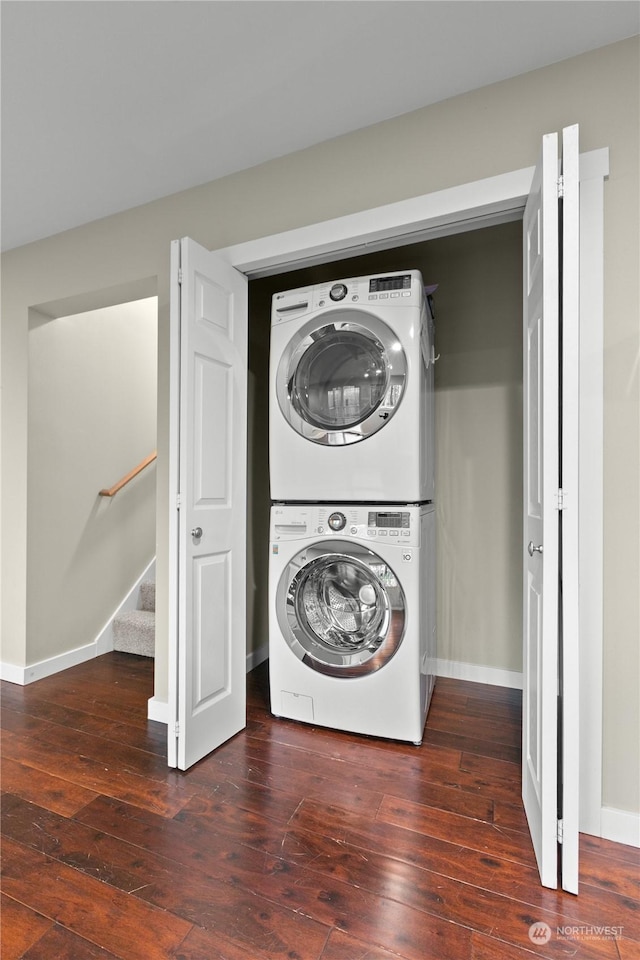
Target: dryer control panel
399,289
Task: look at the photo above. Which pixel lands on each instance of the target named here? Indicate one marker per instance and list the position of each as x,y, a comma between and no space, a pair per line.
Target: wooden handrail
111,492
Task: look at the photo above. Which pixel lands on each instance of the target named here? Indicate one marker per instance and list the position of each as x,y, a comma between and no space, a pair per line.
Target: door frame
458,209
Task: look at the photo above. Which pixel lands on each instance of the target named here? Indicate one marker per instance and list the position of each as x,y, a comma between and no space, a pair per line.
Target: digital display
378,284
389,520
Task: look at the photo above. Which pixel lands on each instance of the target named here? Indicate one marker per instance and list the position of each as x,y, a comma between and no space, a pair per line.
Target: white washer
352,616
351,412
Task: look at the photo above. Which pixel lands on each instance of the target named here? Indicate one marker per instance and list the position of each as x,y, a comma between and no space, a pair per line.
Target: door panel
570,556
551,523
207,673
541,477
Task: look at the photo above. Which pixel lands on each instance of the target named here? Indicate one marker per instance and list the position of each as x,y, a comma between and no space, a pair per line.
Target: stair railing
111,492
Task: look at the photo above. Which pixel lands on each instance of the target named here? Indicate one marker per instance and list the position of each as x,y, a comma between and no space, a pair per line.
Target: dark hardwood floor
288,843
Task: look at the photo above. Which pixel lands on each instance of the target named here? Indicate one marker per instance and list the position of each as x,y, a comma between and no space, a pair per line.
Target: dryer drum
340,380
345,613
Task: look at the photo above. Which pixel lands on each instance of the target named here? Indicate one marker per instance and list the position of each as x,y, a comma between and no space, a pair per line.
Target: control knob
337,521
338,291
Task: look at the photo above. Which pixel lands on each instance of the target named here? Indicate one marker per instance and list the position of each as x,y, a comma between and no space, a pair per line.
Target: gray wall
469,137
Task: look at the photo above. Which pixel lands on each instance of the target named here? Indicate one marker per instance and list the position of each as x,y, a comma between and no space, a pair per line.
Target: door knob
533,549
196,533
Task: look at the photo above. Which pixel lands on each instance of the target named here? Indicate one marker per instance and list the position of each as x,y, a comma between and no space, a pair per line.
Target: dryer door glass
341,381
342,609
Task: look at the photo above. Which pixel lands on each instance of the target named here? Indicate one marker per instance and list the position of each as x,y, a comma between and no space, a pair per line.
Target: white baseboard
46,668
103,643
256,657
620,826
12,673
477,673
157,710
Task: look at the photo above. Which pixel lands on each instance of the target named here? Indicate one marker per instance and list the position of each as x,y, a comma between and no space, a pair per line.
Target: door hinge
179,274
560,831
560,499
176,729
560,187
178,501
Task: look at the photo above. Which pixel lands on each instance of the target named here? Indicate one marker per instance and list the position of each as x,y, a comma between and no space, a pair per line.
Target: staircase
134,631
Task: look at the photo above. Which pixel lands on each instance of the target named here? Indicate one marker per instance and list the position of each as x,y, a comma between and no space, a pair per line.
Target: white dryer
351,412
352,616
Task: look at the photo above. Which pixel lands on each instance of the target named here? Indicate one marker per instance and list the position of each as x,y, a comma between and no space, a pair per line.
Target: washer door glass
341,381
341,609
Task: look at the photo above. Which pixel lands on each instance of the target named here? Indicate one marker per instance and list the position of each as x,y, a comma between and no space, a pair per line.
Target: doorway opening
92,418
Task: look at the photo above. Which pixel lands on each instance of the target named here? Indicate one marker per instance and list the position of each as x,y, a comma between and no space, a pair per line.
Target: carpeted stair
134,631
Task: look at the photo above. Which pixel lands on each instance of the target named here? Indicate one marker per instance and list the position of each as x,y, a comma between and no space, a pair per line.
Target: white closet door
570,558
550,717
541,486
207,659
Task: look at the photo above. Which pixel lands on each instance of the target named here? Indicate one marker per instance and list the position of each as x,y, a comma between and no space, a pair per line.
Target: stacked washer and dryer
352,531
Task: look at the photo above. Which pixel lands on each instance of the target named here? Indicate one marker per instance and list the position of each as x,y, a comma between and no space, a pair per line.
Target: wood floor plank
616,876
340,946
267,802
487,948
627,949
355,785
20,928
212,945
494,767
482,728
61,944
302,779
115,753
468,744
609,849
446,686
165,797
510,815
151,736
119,705
487,838
89,908
52,792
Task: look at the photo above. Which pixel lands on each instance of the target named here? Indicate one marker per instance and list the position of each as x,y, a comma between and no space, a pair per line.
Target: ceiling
107,105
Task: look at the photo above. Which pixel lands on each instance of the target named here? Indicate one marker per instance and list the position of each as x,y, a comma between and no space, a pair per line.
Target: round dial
337,521
338,291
